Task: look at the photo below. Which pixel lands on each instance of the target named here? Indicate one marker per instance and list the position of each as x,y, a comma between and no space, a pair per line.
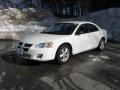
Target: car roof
76,22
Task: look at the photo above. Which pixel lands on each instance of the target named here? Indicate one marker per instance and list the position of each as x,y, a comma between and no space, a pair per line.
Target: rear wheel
101,45
63,54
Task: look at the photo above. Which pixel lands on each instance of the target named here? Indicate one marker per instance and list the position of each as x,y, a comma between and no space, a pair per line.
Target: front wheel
101,45
63,54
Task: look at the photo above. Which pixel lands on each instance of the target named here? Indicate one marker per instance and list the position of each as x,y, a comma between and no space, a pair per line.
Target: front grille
25,49
20,43
27,45
18,46
24,46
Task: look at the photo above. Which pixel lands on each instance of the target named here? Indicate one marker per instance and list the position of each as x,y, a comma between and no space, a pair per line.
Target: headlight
44,45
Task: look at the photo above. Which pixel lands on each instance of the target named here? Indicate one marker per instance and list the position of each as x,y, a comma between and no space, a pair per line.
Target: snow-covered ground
108,19
14,23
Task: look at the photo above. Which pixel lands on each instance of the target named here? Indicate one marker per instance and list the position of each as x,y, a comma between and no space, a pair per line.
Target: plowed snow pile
15,23
108,19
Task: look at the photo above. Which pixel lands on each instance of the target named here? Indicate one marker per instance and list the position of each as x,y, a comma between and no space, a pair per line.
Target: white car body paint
79,43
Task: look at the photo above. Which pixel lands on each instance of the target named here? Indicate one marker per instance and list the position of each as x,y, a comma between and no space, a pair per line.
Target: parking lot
92,70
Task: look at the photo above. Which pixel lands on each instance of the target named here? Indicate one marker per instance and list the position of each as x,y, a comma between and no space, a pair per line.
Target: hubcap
65,54
102,45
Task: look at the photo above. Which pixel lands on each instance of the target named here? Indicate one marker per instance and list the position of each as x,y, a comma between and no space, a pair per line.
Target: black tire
101,45
62,60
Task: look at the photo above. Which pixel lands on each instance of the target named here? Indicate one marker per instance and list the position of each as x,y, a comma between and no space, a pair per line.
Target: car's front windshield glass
61,29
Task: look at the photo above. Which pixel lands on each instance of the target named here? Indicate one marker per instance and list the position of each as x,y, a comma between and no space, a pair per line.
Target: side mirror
78,33
81,32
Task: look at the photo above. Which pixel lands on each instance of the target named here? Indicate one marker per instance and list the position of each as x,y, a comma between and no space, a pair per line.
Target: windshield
61,29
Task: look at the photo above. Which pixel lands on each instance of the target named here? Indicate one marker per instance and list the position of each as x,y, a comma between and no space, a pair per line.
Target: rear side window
92,28
82,29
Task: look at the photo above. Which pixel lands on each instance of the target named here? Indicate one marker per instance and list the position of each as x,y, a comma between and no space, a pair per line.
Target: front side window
82,29
61,29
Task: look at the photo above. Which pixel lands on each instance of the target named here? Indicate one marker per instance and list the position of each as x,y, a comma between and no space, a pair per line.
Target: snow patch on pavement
1,76
104,57
98,58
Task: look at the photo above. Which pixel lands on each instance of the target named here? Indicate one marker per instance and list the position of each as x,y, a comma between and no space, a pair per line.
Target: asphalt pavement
92,70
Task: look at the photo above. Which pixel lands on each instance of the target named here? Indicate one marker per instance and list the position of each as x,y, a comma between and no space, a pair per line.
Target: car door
93,34
81,39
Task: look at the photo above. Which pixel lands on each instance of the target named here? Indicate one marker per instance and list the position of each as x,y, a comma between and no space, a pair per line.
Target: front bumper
39,54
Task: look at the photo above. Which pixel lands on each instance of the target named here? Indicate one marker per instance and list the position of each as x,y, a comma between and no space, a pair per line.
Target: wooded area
68,8
65,8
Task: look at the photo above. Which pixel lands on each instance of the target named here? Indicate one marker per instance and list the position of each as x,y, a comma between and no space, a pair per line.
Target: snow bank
108,19
25,14
16,32
15,23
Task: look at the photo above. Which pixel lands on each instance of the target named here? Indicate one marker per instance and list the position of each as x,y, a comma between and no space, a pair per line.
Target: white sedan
62,40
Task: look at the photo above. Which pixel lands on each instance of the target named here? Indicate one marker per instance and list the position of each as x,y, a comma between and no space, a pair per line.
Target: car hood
41,38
